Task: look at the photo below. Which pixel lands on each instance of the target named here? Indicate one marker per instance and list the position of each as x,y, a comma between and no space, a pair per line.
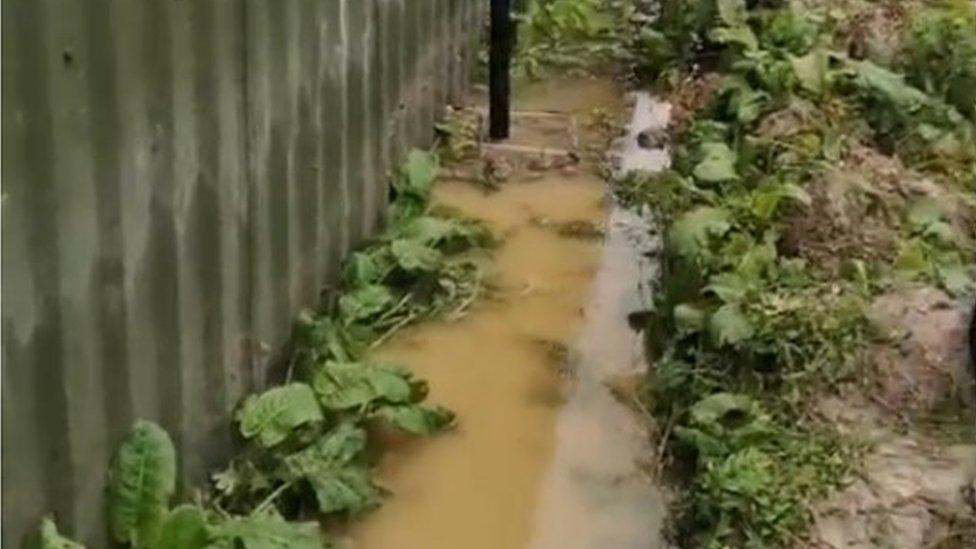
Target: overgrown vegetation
305,453
748,330
573,35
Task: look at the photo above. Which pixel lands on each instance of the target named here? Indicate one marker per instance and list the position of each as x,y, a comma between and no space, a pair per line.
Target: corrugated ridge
179,179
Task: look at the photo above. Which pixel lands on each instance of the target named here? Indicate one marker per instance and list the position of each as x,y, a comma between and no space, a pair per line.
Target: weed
745,332
459,135
945,72
931,252
754,477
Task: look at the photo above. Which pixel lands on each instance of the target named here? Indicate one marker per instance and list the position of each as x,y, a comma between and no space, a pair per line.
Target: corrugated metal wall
179,179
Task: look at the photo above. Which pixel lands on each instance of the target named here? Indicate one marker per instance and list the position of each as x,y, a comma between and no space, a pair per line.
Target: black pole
499,78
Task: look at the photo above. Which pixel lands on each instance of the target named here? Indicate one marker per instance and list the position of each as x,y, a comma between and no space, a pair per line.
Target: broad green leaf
690,233
924,212
740,35
271,416
340,484
729,287
911,260
954,275
363,269
757,258
732,12
955,279
405,207
941,232
811,70
345,385
889,85
349,489
428,230
707,445
689,318
184,527
764,204
796,193
433,231
704,131
265,531
365,302
729,325
723,422
340,445
765,201
329,339
417,419
748,105
50,538
717,164
412,255
142,480
713,408
418,173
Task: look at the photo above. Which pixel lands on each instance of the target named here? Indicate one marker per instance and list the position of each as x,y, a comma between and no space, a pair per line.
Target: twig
459,311
271,497
393,329
662,446
395,309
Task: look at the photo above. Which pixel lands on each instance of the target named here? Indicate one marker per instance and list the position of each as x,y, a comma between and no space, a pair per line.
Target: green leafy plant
310,442
560,35
910,122
272,415
305,451
940,54
332,467
143,479
931,251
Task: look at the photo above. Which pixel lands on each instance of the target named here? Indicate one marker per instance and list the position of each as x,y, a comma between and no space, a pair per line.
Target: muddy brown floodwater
544,455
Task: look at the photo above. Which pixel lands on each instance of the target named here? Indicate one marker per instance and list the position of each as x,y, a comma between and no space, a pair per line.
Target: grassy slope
770,265
823,154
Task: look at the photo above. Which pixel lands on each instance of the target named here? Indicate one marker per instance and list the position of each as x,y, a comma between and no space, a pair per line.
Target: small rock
929,365
652,138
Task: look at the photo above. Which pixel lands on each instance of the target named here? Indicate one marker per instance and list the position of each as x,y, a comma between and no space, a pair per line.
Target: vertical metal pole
499,78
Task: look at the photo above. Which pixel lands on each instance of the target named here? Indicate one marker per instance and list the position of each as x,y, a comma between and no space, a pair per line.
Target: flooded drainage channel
546,454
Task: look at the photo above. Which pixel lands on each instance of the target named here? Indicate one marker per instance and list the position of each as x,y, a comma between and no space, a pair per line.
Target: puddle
598,492
567,95
545,454
478,487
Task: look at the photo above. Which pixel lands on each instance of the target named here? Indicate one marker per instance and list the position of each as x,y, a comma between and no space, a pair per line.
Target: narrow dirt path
545,454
